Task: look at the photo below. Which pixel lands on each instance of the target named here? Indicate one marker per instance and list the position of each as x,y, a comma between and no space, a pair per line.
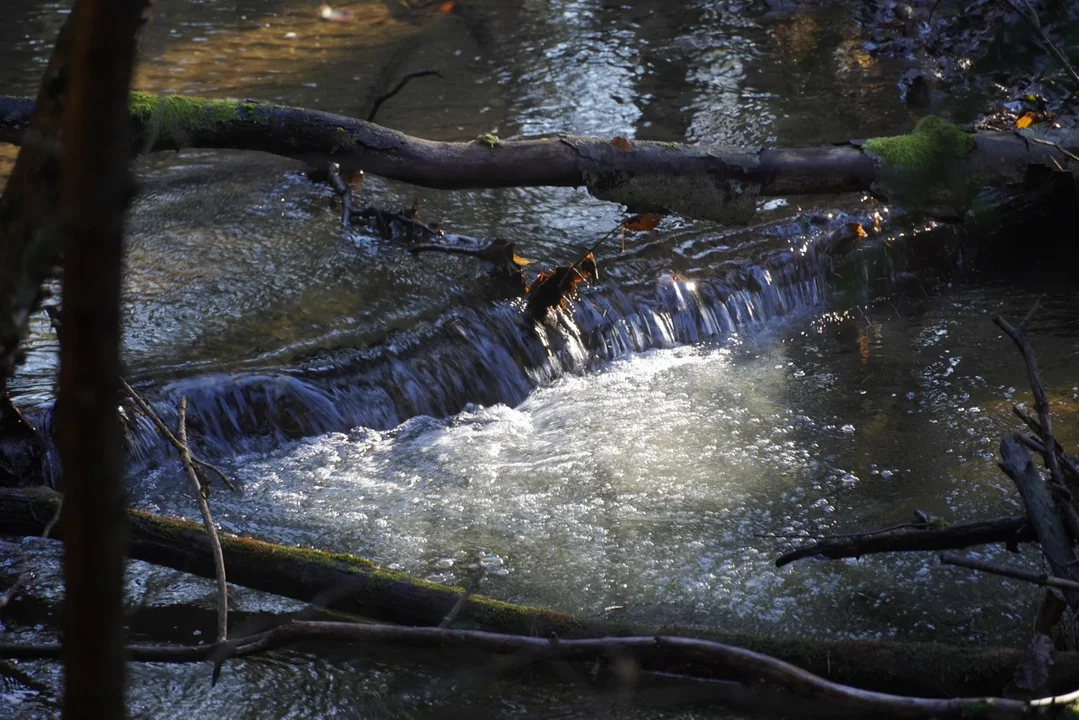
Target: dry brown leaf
858,230
447,6
642,223
621,143
1026,120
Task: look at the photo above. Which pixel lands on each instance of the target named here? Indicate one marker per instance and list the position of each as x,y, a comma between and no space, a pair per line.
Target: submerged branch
353,585
956,537
693,654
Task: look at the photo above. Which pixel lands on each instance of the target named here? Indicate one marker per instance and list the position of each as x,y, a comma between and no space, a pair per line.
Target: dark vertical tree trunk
94,191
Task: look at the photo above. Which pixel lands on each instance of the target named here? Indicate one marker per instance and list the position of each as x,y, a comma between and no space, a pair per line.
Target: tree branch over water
937,167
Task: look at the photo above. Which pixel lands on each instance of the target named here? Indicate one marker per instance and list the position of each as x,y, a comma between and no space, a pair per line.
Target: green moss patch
925,170
487,139
169,114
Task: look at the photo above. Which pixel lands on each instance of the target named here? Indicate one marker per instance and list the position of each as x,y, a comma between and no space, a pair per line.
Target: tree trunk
937,168
354,585
95,188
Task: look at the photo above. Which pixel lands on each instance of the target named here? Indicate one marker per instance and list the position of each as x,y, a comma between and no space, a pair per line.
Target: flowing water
647,452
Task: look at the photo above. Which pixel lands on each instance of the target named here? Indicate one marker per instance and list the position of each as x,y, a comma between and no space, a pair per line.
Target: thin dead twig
211,532
398,88
1030,576
142,405
1031,16
163,429
1041,406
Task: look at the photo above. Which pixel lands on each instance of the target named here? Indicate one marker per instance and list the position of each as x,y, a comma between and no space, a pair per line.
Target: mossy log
937,167
354,585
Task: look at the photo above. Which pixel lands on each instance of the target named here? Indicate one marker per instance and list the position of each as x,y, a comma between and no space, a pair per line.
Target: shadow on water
640,449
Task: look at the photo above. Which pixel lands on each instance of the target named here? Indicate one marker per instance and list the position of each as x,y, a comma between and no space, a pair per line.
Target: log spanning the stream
937,167
354,585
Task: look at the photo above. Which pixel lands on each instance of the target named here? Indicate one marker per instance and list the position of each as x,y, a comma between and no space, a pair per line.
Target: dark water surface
718,388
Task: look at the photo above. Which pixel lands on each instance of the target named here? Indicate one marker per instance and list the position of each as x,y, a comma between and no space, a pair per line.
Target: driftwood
716,660
936,164
350,584
955,537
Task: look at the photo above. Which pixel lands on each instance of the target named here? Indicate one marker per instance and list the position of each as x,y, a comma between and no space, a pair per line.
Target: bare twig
474,580
1069,155
398,88
1041,406
955,537
24,574
737,663
1031,16
163,429
1068,464
211,532
1017,573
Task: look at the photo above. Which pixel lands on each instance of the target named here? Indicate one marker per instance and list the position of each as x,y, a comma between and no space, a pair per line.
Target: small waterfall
493,353
485,355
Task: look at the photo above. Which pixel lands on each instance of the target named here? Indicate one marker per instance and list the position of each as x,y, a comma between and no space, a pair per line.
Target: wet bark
30,240
354,585
927,169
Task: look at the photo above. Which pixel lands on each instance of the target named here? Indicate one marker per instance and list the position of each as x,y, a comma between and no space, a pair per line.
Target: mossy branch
937,168
357,586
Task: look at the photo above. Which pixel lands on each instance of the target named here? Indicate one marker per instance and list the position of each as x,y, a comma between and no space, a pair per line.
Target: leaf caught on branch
639,223
550,290
642,223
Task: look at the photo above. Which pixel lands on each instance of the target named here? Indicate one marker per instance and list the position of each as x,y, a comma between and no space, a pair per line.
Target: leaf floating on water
520,261
621,143
356,179
1032,674
1025,120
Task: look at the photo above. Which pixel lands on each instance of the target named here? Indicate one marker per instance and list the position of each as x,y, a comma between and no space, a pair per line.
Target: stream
645,454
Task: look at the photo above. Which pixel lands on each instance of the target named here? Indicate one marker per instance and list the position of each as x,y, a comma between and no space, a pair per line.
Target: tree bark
936,167
30,241
95,188
350,584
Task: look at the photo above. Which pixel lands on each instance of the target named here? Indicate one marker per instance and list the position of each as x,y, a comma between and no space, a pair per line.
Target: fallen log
956,537
350,584
937,167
